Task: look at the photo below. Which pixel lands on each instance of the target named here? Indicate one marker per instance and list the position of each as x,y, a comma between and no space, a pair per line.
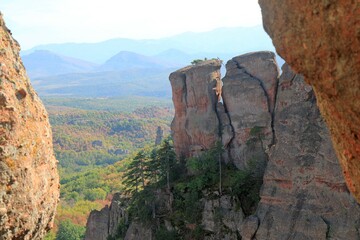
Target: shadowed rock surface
320,39
304,194
249,95
29,182
104,223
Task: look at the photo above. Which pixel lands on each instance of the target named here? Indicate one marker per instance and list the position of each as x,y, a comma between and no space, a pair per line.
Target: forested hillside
94,145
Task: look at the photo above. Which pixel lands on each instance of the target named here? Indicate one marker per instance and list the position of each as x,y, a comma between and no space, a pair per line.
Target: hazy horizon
67,21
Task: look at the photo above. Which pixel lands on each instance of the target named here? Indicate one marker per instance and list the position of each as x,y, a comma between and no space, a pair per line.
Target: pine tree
167,159
135,175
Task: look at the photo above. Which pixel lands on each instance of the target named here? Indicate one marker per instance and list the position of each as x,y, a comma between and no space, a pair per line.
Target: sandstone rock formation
231,217
97,226
195,124
238,122
275,122
138,231
249,93
29,182
320,39
304,195
104,223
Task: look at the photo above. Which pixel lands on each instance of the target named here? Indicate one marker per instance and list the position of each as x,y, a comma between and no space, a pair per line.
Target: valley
94,140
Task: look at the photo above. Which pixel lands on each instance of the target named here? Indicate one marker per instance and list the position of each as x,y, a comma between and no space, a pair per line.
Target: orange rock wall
321,40
29,182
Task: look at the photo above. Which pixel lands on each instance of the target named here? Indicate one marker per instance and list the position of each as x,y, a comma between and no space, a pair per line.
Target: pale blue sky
35,22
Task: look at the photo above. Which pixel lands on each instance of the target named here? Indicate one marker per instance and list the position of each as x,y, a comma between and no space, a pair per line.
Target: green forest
94,145
155,175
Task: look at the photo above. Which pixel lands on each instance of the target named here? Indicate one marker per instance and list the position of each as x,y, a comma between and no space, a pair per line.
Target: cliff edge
29,182
320,39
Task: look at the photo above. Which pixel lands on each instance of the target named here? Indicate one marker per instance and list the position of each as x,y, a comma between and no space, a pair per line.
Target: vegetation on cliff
163,188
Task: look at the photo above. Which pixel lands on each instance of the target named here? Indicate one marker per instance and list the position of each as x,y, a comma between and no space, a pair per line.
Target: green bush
69,231
94,194
245,185
120,232
163,234
196,61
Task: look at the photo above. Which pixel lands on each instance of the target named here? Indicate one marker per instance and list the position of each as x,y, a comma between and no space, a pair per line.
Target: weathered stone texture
304,195
29,182
276,123
249,91
320,39
138,231
104,223
249,95
97,226
195,125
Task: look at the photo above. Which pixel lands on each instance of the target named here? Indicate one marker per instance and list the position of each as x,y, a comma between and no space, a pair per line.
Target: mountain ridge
222,41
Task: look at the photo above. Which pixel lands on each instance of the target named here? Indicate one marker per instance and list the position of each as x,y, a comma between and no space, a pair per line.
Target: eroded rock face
104,223
29,182
276,121
97,226
222,217
304,195
249,95
137,231
195,126
245,116
320,39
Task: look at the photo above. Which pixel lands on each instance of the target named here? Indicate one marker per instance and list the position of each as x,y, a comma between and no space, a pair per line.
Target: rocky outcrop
97,226
320,39
239,121
304,195
104,223
276,123
249,93
195,125
138,231
29,182
222,218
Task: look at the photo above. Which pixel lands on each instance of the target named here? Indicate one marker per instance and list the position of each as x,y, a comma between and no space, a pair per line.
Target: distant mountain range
119,67
46,63
233,41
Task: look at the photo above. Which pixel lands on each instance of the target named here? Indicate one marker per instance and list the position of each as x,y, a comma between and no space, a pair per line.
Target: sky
35,22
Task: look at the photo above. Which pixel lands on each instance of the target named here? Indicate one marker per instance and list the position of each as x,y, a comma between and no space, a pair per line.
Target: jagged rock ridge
29,182
103,223
320,39
272,121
